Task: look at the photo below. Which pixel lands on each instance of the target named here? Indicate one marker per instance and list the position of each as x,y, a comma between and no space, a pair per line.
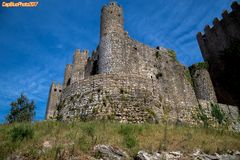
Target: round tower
111,50
203,86
111,19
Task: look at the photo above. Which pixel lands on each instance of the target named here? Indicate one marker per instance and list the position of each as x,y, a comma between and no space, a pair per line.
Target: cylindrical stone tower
111,48
203,86
111,19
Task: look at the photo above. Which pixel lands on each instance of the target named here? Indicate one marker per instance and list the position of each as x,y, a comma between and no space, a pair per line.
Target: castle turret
78,68
202,83
67,76
53,100
111,48
218,46
111,19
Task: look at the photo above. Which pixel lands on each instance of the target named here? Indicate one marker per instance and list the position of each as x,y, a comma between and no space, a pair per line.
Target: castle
220,47
127,81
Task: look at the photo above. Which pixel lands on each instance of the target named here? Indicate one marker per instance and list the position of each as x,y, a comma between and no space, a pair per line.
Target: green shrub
22,110
84,143
172,54
89,130
130,141
21,132
151,112
157,54
199,66
126,130
217,113
188,76
129,138
202,65
60,106
202,116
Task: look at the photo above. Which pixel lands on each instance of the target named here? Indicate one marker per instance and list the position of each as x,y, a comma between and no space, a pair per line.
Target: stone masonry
220,47
53,99
127,81
202,82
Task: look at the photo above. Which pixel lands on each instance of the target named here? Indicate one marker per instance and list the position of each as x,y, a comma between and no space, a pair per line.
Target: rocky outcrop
107,152
142,155
197,155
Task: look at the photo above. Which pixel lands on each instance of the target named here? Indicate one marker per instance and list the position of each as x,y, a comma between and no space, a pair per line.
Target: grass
172,54
199,66
188,76
78,138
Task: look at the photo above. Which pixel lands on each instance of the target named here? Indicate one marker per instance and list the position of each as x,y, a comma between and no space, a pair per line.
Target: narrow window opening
69,81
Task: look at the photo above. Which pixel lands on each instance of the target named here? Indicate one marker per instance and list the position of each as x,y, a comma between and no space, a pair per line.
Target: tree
22,110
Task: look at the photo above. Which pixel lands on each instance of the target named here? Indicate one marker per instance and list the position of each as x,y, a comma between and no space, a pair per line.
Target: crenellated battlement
217,37
78,66
235,6
213,43
80,57
225,17
111,19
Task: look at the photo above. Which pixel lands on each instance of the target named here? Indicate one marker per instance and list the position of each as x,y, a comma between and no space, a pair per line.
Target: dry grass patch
79,138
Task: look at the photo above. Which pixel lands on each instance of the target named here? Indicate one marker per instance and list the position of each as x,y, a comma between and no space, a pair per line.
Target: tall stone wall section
53,100
111,34
78,67
202,83
67,75
222,66
118,53
122,97
231,115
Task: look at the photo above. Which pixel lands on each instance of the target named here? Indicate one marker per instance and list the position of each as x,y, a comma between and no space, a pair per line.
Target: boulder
107,152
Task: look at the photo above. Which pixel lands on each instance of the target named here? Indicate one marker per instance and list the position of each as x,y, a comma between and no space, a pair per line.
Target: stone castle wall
220,35
231,115
67,75
55,94
223,36
134,99
202,83
122,97
78,67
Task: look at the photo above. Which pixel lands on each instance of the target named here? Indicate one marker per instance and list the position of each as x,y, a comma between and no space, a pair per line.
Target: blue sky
37,43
